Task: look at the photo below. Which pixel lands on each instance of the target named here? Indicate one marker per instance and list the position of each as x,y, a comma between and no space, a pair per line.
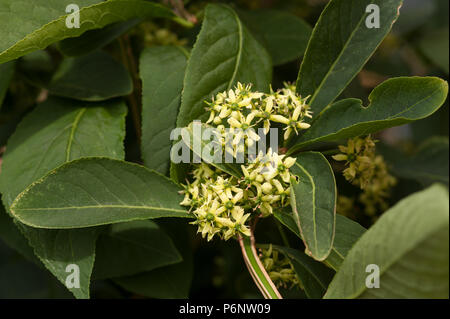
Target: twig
134,98
256,268
180,10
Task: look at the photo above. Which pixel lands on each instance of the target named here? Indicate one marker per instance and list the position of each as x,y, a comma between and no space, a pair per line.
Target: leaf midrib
72,132
99,206
344,48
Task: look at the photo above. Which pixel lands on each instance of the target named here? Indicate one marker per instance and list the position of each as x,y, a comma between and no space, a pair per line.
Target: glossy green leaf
410,246
27,27
284,35
58,131
340,45
6,74
313,201
97,191
133,247
172,281
313,275
162,73
346,234
95,39
225,52
93,77
55,132
394,102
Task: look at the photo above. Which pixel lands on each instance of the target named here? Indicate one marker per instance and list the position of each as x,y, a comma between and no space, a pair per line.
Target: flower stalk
256,268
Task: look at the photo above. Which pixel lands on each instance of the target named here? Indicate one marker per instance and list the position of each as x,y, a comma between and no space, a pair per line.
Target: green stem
256,268
183,22
134,97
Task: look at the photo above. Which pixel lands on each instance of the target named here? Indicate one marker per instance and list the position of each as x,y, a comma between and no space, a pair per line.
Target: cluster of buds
358,155
243,109
279,268
153,35
367,170
222,203
378,190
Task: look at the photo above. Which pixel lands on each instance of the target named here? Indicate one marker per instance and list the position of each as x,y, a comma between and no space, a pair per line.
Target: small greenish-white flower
278,164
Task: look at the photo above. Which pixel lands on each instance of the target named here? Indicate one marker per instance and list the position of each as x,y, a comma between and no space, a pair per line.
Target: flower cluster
358,155
152,35
367,170
378,190
217,202
279,268
243,109
222,203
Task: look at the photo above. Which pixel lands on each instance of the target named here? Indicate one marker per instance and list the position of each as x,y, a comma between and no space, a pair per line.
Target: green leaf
12,236
428,165
313,276
168,282
346,234
395,102
313,201
59,249
133,247
97,191
95,39
409,244
58,131
93,77
6,72
199,145
225,52
27,27
172,281
284,35
55,132
162,73
340,45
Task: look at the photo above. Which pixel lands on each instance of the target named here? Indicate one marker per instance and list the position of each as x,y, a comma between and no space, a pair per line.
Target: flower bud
266,188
